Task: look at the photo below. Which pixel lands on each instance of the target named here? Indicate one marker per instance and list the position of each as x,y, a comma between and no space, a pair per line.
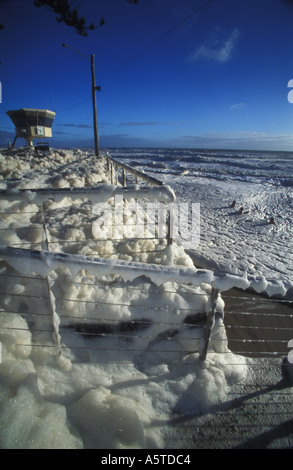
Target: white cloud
237,106
216,49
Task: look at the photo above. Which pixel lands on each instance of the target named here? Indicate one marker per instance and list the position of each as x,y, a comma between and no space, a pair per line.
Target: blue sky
169,76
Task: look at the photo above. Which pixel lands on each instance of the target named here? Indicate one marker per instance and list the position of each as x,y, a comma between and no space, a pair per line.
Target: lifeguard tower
32,123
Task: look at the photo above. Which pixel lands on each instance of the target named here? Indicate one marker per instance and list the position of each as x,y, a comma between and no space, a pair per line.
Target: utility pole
94,88
94,97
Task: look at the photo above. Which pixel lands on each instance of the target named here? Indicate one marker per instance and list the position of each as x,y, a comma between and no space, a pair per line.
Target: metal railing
120,172
253,325
90,205
157,316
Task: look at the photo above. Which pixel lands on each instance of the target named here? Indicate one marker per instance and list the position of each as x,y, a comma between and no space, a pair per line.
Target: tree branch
68,15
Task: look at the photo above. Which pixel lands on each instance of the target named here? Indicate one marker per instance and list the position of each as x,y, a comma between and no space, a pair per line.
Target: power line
123,64
162,36
75,105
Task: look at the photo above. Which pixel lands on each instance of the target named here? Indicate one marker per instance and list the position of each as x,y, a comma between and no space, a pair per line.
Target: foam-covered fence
101,297
106,220
112,308
121,173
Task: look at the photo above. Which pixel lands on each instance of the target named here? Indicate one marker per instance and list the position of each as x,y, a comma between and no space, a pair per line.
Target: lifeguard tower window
20,119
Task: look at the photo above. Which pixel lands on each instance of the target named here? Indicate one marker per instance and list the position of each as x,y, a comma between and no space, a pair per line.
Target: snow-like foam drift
95,353
109,385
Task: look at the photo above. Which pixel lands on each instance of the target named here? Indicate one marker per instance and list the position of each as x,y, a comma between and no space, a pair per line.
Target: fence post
112,172
55,317
170,223
45,241
117,175
209,325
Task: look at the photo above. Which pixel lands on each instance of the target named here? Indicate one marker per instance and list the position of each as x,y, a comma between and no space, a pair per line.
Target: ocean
222,165
260,183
